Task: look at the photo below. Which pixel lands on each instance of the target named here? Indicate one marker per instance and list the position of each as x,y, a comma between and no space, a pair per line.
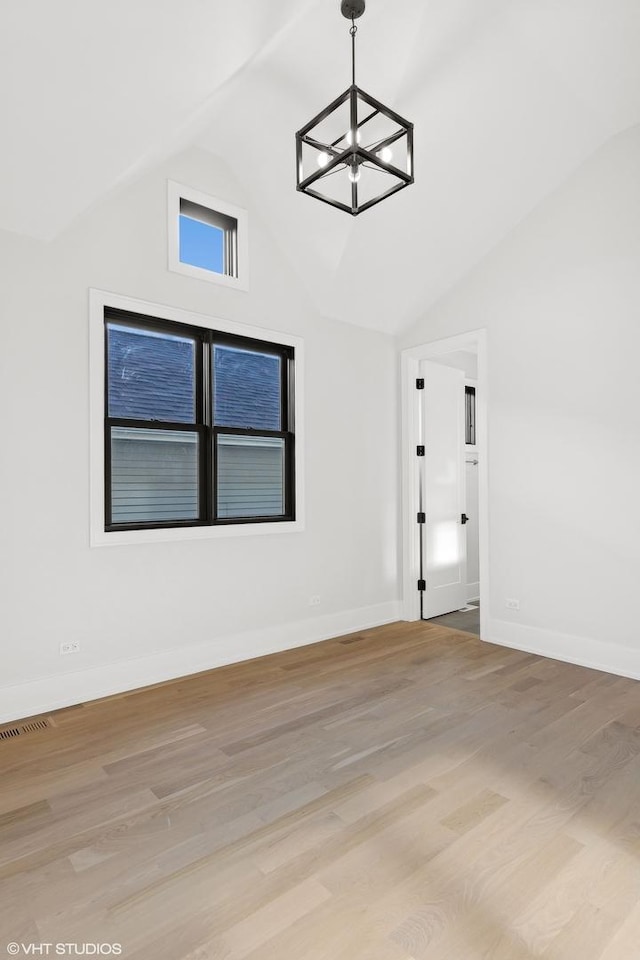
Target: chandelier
356,151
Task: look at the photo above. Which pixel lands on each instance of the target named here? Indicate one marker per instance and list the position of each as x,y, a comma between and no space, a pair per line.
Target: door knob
464,518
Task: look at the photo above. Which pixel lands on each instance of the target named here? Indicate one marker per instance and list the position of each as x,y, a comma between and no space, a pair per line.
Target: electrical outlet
314,601
512,604
69,646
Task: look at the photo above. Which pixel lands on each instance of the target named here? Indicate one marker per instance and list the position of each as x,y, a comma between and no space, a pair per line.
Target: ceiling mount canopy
356,151
352,9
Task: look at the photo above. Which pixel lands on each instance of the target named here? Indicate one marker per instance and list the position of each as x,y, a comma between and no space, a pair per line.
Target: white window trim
177,192
99,537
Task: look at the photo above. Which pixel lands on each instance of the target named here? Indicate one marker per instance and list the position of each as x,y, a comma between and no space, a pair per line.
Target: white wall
560,298
146,612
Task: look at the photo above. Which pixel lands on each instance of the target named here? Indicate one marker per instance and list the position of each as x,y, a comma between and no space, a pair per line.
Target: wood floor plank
403,793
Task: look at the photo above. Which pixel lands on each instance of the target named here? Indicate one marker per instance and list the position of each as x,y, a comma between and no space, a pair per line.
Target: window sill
210,276
115,538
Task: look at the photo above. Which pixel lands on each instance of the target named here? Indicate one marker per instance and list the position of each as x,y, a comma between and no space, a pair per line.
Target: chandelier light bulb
349,137
386,154
354,172
323,158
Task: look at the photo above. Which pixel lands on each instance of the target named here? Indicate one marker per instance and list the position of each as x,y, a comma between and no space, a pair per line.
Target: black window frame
205,339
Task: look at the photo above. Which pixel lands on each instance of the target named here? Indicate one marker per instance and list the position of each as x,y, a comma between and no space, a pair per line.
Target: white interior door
444,541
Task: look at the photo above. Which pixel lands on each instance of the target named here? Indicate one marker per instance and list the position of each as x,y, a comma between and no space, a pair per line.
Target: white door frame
410,360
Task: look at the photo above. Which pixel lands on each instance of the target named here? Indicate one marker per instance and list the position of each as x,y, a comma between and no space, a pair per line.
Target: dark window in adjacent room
470,415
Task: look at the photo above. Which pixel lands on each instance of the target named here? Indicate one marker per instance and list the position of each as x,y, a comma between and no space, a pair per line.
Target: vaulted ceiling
508,97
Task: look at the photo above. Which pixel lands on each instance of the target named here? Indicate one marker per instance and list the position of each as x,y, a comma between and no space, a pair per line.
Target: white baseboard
585,651
46,694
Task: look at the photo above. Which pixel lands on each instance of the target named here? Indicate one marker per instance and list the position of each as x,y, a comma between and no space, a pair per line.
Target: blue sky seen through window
201,244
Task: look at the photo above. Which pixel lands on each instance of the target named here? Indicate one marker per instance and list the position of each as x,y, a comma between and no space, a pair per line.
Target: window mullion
206,491
251,432
140,424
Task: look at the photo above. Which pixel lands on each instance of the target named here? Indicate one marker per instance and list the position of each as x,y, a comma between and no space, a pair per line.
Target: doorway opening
445,549
466,619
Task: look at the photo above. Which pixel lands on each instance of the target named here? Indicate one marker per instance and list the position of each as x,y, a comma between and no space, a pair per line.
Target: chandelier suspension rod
353,32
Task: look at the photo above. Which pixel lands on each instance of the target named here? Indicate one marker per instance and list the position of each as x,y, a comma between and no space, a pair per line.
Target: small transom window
207,237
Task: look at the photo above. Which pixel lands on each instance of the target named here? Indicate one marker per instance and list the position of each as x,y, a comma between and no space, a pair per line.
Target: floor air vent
9,733
30,726
35,725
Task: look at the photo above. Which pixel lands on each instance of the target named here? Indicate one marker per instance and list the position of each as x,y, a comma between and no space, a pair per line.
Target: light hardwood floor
405,792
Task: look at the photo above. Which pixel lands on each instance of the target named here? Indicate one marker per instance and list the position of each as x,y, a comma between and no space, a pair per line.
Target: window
470,415
198,425
207,237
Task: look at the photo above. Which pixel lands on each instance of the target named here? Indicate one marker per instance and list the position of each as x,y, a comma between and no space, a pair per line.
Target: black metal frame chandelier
356,151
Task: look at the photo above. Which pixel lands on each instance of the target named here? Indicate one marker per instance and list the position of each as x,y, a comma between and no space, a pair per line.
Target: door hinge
422,518
420,383
422,584
420,451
